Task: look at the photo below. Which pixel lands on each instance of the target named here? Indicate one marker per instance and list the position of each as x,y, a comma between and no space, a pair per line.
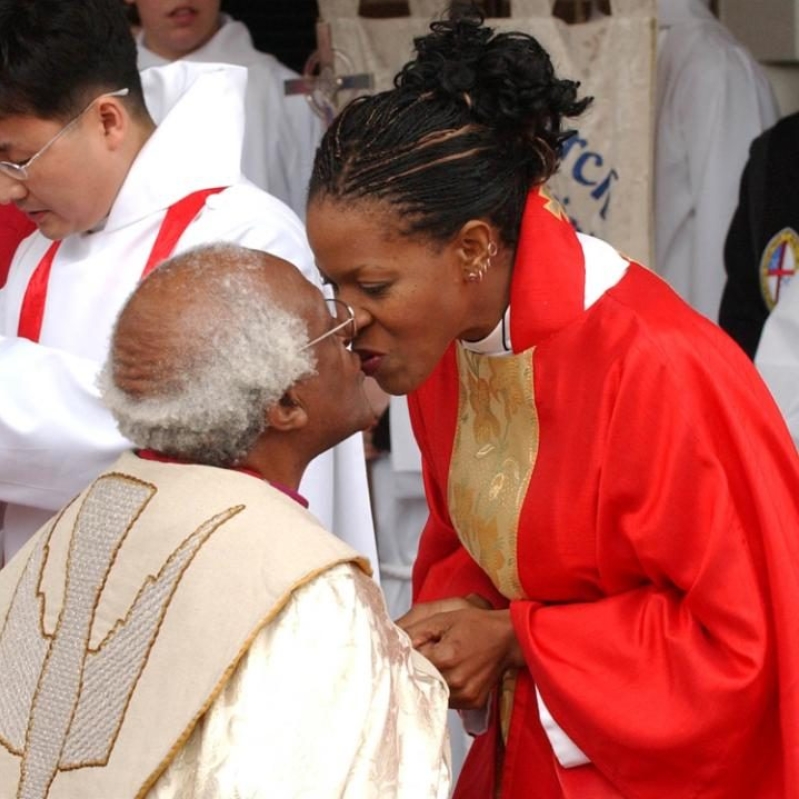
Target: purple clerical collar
152,455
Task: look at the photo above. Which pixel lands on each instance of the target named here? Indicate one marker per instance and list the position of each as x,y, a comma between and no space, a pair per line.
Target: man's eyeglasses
20,171
343,318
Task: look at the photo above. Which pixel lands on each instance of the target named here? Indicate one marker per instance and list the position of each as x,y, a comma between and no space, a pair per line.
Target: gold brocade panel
493,456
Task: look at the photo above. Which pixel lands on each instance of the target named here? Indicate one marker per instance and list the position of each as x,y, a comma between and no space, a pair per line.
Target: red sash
178,217
14,226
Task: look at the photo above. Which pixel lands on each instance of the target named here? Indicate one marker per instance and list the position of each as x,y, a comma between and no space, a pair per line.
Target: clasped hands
469,642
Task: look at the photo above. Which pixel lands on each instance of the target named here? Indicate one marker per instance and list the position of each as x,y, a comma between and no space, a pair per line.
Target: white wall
769,29
785,80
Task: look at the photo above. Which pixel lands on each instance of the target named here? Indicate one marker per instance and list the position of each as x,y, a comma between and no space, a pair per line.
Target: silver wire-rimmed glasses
343,317
20,171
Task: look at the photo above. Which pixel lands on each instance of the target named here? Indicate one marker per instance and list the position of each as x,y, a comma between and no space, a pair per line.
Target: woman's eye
374,289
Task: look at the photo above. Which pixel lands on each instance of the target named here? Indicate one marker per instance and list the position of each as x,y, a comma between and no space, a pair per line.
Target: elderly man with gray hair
185,627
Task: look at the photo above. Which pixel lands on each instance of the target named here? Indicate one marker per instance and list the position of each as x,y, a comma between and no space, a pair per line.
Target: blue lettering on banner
587,168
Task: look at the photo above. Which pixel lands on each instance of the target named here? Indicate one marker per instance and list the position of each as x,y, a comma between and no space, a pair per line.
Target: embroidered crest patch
778,265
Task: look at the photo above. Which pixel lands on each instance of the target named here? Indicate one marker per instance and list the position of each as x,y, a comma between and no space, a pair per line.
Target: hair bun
505,81
448,58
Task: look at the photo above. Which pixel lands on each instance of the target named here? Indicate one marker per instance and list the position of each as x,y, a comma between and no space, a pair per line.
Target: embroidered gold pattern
507,693
552,205
75,698
496,443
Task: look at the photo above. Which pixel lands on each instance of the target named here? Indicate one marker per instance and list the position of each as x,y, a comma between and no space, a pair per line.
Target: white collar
497,342
174,161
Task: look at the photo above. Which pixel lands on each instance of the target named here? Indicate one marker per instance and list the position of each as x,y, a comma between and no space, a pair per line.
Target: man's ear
288,413
115,120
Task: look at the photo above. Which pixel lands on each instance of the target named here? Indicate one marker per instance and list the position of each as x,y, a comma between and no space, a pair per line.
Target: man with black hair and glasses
114,185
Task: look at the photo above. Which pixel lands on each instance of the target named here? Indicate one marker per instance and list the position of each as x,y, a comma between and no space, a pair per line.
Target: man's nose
11,190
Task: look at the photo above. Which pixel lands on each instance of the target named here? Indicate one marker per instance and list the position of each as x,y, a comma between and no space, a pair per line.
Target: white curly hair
206,402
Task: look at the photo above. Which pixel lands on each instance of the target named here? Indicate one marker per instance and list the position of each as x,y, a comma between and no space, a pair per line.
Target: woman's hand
470,645
426,609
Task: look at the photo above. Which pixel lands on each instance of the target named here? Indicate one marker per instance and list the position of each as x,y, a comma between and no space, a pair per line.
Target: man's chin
367,421
50,228
52,236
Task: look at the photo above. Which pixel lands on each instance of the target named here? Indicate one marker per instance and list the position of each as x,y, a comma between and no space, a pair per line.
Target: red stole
178,217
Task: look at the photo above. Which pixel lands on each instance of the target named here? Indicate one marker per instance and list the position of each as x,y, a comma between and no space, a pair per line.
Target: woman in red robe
609,577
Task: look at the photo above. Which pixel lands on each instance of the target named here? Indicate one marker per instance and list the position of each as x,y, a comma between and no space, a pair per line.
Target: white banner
605,179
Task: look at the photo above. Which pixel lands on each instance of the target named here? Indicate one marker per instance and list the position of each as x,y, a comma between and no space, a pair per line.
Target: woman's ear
288,413
475,248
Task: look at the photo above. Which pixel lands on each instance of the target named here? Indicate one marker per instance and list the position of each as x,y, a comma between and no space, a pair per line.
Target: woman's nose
362,317
350,297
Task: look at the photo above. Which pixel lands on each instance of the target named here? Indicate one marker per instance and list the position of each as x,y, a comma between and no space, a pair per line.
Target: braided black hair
472,124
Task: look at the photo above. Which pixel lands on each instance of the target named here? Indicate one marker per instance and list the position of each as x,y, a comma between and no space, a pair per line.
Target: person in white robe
193,556
777,355
281,132
713,98
103,189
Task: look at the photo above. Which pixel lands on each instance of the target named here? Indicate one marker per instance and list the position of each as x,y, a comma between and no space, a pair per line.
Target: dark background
285,28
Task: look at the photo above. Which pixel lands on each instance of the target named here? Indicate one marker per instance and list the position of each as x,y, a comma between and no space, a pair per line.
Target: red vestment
652,569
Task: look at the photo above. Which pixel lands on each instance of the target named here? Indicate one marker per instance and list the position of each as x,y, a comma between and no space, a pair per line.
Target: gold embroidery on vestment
493,456
552,205
507,693
76,696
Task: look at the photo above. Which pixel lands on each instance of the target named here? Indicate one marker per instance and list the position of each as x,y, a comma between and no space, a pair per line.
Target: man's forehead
21,131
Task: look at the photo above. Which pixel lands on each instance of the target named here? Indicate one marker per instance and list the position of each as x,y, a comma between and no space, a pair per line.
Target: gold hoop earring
477,274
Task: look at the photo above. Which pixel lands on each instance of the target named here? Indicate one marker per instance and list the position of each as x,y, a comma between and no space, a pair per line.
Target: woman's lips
370,361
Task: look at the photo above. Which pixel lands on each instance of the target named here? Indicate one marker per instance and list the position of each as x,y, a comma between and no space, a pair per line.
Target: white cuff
475,722
566,751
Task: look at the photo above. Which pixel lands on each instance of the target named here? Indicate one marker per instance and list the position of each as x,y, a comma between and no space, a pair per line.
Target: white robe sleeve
330,701
777,356
48,448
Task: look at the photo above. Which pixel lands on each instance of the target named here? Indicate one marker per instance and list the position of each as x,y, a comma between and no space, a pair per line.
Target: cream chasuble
124,620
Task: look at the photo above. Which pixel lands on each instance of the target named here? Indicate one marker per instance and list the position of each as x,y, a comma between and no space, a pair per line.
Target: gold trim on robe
493,457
